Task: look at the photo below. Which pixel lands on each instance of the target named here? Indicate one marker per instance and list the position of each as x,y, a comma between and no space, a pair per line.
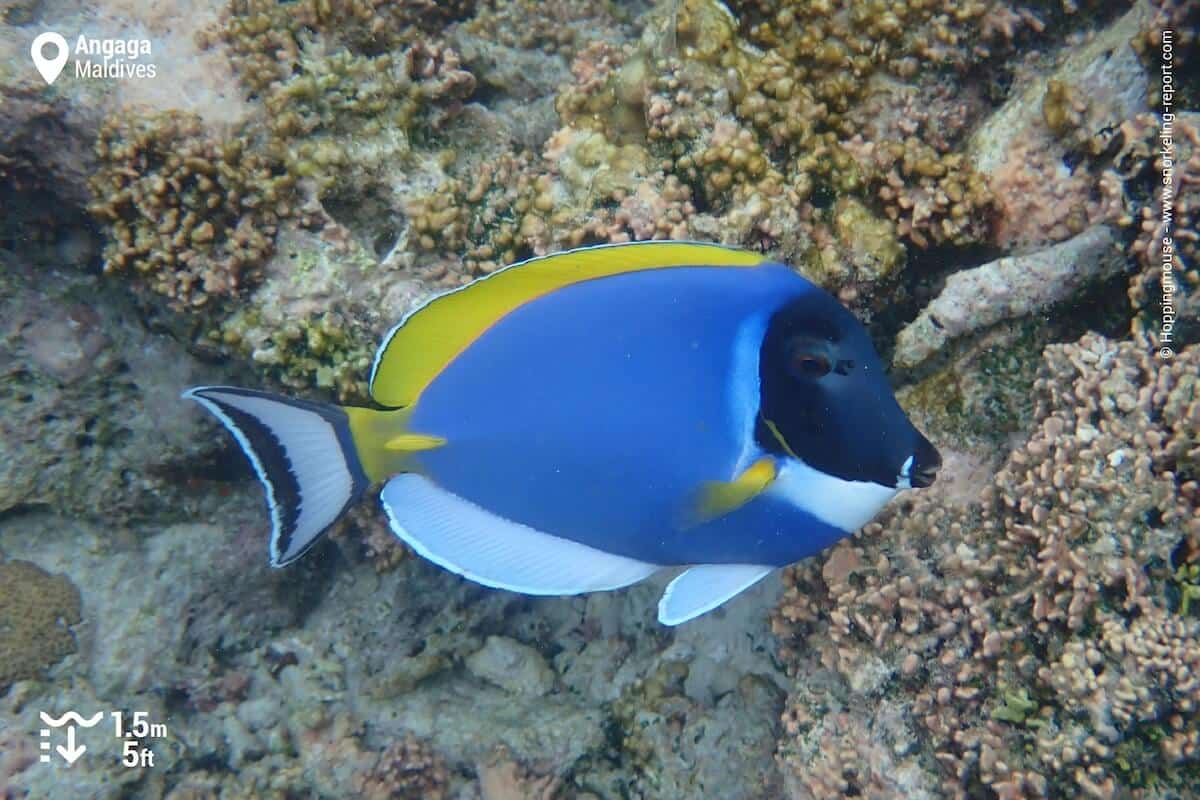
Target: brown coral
1182,19
405,770
36,612
191,215
1033,636
267,40
935,199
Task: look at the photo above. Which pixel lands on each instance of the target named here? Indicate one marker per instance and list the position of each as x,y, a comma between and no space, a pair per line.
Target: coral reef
739,127
343,114
36,612
1029,639
269,41
190,215
1027,627
405,770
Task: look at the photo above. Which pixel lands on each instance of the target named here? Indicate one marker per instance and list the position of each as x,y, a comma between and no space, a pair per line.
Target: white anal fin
486,548
702,588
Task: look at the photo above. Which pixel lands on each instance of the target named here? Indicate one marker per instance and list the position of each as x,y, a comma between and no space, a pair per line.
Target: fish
579,421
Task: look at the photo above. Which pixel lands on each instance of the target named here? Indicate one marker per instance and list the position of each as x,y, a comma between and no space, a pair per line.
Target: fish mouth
926,461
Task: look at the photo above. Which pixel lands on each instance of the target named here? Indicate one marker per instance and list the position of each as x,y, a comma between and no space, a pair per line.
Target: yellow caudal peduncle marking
384,444
718,498
435,334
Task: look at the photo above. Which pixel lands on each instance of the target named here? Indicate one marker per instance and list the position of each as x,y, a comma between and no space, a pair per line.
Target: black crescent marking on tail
277,467
277,470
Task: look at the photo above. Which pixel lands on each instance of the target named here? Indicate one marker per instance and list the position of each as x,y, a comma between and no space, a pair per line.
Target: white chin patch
846,505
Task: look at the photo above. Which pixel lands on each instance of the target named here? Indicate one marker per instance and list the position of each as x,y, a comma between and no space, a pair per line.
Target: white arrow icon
49,67
71,753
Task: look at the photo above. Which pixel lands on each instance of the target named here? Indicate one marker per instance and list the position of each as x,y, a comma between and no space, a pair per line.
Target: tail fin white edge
304,457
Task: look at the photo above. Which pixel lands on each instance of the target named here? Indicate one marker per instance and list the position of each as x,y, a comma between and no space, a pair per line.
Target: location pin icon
49,67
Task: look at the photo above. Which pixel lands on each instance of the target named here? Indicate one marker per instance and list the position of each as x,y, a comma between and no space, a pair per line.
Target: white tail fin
304,455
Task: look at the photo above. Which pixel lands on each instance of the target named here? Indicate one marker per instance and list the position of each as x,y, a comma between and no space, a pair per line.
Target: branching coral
1033,636
836,37
191,215
934,199
763,148
342,114
267,39
1182,19
36,612
322,350
408,769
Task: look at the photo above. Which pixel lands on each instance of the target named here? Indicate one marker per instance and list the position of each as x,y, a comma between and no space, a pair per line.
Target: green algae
1015,706
1187,579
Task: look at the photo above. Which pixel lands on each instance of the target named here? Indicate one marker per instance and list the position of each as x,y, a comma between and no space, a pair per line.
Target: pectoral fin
718,498
413,443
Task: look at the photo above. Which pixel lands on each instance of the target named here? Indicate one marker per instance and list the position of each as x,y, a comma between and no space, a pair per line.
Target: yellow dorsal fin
718,498
428,339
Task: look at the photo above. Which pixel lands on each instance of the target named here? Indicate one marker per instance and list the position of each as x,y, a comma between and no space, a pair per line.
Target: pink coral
1032,634
405,770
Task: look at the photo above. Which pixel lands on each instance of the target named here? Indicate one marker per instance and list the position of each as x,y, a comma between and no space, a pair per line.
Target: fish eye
810,364
810,357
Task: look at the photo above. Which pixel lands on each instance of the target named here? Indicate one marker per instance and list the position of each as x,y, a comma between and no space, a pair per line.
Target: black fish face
826,400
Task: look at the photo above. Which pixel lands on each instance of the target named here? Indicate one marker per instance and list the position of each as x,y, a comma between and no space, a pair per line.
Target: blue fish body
576,422
603,432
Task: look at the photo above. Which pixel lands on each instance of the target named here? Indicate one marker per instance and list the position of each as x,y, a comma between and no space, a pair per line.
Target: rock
521,75
90,417
243,745
1009,288
675,747
183,573
1031,147
513,666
